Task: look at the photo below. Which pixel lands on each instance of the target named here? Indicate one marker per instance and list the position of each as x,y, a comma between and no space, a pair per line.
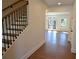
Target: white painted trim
29,53
56,13
73,50
70,36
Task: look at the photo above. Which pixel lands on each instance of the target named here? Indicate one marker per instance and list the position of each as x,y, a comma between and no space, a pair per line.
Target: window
63,22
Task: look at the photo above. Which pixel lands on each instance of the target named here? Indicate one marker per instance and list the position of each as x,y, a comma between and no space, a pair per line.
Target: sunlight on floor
51,36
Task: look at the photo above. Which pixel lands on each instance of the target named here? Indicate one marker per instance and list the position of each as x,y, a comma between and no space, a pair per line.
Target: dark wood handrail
11,5
14,10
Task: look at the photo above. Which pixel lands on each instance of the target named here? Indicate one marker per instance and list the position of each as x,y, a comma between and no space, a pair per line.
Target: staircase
13,25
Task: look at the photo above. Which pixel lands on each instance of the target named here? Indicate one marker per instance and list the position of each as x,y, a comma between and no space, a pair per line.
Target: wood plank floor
56,47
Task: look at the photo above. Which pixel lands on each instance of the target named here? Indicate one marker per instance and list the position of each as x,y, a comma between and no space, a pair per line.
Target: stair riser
13,31
17,27
12,37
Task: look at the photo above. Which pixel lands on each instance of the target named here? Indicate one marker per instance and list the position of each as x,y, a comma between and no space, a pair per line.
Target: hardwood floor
56,47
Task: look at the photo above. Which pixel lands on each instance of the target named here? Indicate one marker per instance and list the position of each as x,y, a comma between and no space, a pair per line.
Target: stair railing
12,25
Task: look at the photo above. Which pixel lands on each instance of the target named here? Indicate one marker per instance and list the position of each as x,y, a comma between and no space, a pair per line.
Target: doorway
51,23
57,21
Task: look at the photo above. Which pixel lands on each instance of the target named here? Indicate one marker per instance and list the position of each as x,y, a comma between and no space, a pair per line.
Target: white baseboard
73,50
29,53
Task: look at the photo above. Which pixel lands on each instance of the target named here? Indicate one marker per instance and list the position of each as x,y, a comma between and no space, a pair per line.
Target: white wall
73,42
33,36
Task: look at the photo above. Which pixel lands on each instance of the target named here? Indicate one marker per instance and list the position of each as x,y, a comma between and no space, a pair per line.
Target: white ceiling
54,2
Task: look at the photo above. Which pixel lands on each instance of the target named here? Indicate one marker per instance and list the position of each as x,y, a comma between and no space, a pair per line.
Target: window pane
63,22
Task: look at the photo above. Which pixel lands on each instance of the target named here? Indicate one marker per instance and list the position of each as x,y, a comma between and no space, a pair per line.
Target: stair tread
14,29
23,17
20,20
10,34
3,49
6,41
19,24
